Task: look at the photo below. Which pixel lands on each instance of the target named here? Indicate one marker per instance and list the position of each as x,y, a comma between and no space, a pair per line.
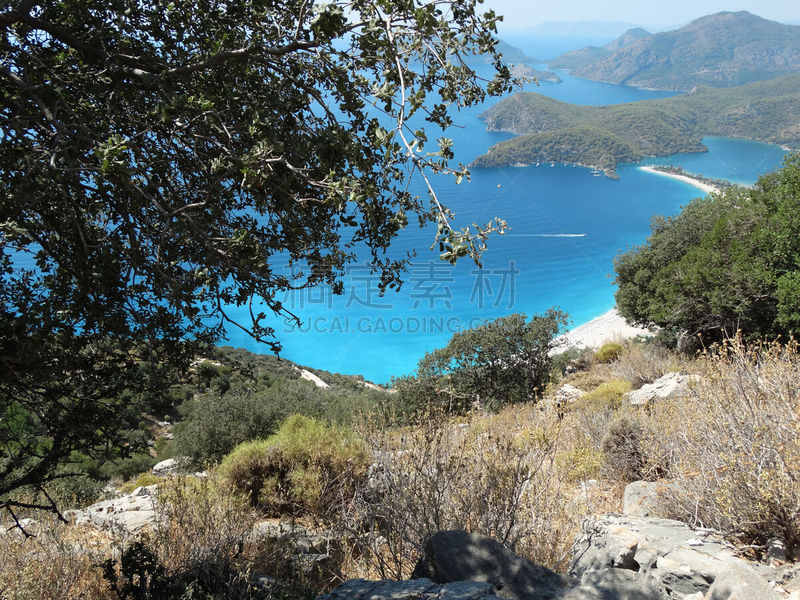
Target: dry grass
495,475
525,476
60,562
642,363
736,445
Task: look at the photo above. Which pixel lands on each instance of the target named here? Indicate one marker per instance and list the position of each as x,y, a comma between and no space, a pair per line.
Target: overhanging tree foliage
162,161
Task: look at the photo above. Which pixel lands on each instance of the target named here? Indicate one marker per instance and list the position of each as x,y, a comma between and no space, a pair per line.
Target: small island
525,72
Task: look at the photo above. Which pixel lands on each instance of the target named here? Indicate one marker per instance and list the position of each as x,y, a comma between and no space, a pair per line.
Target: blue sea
567,224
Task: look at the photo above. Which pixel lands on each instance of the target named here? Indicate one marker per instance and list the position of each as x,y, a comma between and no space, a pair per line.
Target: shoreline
608,327
706,187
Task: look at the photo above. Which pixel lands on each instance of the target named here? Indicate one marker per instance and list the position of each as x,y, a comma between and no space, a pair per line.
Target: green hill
511,55
577,59
602,136
724,49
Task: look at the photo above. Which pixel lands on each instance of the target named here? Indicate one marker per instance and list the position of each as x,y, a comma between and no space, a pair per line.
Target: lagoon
567,224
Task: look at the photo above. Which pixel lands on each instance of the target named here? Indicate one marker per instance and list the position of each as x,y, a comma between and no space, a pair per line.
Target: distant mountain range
724,49
578,59
602,136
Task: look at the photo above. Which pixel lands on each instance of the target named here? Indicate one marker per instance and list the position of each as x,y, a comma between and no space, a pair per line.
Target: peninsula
602,136
705,184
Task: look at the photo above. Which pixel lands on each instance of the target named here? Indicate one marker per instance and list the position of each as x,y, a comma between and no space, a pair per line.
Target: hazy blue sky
523,13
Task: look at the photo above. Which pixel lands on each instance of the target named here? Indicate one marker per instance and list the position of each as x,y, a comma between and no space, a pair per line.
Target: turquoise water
567,226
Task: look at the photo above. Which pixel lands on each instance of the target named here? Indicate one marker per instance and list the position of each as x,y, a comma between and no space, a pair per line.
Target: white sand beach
609,326
706,187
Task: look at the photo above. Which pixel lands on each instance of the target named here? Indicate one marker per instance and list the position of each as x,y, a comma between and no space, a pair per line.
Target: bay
567,224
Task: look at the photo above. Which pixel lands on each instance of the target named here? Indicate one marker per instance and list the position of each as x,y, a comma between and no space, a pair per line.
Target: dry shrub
56,563
203,543
202,532
642,363
625,458
305,468
737,448
493,475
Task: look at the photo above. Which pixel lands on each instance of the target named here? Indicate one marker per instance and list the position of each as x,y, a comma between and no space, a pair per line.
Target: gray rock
130,513
621,584
298,538
681,560
170,466
776,550
456,555
642,498
668,386
739,582
415,589
567,394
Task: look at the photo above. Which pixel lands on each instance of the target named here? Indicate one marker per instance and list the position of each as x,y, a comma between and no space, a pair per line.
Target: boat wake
557,235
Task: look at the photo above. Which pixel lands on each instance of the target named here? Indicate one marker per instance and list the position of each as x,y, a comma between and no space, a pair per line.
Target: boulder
668,386
616,557
567,394
740,582
642,498
451,556
170,466
130,513
679,560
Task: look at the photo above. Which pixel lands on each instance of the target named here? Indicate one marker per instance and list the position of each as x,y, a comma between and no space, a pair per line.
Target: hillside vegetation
602,136
729,262
526,475
724,49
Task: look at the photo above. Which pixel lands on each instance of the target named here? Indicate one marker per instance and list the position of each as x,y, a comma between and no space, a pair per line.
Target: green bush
127,468
142,480
215,423
607,395
608,352
500,362
305,468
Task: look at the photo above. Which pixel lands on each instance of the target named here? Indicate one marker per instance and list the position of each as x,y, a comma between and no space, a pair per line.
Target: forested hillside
602,136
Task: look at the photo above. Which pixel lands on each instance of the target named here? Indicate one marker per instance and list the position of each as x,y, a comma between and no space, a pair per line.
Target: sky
520,14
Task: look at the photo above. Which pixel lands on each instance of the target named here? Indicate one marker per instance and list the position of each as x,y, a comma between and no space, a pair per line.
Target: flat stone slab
670,385
131,513
414,589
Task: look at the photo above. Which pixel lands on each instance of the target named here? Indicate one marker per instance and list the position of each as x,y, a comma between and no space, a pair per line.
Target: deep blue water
567,226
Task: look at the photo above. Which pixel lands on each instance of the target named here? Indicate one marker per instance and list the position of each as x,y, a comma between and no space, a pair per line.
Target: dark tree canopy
727,263
504,361
163,160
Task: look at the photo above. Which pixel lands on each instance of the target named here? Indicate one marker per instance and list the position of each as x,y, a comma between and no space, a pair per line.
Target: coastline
707,188
609,326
